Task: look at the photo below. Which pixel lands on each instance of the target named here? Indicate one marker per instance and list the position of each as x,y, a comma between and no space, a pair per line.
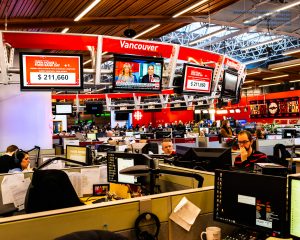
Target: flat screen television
63,108
93,107
51,71
197,80
137,73
256,202
230,84
121,116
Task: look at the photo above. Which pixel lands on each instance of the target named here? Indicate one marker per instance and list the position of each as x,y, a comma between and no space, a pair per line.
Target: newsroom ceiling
245,23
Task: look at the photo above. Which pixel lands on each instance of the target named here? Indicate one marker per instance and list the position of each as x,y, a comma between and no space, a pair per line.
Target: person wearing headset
19,162
248,156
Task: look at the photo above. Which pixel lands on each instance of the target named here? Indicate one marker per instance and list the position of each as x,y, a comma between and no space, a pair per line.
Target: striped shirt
248,165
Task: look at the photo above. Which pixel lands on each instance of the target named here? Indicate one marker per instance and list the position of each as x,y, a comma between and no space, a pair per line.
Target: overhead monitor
51,71
255,202
94,107
78,153
122,116
137,73
119,161
63,108
197,79
230,84
294,209
202,158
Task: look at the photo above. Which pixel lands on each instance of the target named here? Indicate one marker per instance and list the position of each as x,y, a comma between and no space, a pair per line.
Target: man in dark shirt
249,156
6,158
150,77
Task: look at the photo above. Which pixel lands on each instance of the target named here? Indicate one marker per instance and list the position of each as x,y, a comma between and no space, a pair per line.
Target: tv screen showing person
126,74
150,77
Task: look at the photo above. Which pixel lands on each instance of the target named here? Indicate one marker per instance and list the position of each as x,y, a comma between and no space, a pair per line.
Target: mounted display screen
51,71
63,109
94,108
230,84
197,79
136,73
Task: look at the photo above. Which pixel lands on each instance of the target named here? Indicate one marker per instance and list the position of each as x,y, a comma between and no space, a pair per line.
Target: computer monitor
140,148
153,147
147,136
119,161
202,158
105,148
79,153
178,134
289,133
161,134
91,136
294,210
255,202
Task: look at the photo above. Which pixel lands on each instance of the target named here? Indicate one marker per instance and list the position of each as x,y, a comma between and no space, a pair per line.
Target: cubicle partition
118,216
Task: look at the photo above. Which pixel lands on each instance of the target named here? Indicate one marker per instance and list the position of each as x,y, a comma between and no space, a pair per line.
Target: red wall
245,102
165,116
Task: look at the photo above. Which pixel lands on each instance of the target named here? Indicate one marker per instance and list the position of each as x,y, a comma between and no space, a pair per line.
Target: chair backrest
280,154
50,189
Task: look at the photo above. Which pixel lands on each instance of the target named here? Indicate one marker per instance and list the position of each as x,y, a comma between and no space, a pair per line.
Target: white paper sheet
76,180
185,214
13,179
19,192
90,176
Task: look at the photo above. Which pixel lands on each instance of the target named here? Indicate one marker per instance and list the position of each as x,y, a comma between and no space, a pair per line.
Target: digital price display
197,79
51,71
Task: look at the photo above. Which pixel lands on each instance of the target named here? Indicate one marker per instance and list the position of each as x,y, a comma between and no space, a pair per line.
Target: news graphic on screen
77,153
137,73
230,84
50,71
197,79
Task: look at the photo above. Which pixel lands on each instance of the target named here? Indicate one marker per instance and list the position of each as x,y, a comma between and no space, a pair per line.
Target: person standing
5,159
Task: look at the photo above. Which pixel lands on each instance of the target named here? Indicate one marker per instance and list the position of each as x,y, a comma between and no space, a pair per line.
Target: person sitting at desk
225,130
19,161
5,159
167,146
248,156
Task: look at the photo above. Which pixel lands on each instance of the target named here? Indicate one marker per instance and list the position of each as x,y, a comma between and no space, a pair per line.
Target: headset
144,235
18,156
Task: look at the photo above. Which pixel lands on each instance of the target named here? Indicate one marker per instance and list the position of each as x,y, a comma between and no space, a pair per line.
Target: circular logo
273,108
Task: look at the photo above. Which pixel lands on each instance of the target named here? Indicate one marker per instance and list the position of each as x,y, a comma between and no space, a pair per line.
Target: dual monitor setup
258,203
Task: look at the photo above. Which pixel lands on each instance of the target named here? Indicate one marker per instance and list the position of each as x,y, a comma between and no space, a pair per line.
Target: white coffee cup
212,233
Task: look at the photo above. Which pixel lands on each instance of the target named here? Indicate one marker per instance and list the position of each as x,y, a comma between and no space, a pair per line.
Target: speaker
129,33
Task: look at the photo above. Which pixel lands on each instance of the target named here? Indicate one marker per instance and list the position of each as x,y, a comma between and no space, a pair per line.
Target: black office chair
280,154
51,189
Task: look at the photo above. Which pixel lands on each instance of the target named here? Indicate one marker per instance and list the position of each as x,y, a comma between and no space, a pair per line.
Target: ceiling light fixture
86,62
273,12
298,80
220,31
189,8
256,60
146,31
286,66
65,30
85,11
267,85
279,76
248,74
290,52
262,43
246,88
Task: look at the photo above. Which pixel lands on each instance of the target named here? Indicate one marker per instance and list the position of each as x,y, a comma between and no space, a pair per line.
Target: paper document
76,180
89,176
13,179
19,193
57,164
185,214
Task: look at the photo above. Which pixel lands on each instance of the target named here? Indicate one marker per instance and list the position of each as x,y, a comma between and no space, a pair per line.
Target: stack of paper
185,214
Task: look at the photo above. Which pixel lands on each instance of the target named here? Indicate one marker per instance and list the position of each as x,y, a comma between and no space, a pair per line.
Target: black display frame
234,94
49,88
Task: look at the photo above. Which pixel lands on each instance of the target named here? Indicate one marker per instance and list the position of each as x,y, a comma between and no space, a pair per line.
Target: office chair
51,189
280,154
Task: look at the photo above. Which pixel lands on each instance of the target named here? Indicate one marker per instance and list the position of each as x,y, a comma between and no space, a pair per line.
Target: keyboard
242,234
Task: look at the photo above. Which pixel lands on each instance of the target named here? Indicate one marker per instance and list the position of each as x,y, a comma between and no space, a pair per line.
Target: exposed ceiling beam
94,21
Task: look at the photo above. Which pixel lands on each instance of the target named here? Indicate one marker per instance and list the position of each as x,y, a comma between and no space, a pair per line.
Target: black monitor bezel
49,88
234,94
131,58
94,103
186,92
237,224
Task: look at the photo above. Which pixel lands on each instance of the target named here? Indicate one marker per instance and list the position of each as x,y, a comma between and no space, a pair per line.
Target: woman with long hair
226,130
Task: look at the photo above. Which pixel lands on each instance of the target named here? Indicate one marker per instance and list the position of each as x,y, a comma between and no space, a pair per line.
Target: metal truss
232,42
